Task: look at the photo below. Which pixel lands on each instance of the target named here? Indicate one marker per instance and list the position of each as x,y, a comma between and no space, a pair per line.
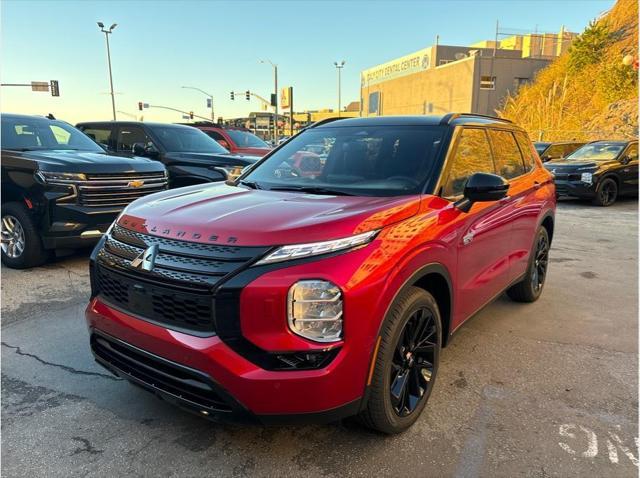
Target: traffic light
232,96
190,114
55,88
274,99
247,95
139,105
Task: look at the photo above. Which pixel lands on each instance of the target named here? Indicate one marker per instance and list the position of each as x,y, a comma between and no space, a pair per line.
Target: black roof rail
449,117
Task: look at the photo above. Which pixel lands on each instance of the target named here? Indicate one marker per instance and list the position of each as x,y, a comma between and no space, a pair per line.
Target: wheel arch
548,222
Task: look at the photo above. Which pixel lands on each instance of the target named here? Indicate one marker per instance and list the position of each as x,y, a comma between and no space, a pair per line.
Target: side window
526,149
632,152
99,135
473,155
128,135
215,135
509,162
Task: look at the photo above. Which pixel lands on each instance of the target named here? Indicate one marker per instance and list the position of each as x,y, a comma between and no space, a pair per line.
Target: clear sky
159,46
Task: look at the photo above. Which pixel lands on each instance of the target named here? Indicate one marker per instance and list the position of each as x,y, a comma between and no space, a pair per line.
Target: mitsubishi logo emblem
146,259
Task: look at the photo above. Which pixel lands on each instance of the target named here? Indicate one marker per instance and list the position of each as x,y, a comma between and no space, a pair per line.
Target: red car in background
236,140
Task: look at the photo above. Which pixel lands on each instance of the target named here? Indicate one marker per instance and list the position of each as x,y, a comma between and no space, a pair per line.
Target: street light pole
339,67
275,78
106,35
204,93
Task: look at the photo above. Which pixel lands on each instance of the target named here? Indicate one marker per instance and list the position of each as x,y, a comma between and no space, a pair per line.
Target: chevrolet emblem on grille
136,183
146,259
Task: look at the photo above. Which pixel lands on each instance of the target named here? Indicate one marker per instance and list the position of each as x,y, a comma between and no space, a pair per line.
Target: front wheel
606,193
530,287
21,244
406,364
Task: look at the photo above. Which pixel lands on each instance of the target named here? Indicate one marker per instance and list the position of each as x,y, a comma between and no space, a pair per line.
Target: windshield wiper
250,184
312,190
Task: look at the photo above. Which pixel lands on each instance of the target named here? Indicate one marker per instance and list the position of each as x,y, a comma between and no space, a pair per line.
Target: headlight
230,172
315,310
586,178
46,177
298,251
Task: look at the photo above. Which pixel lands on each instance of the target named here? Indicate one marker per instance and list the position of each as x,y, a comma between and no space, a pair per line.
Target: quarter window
473,155
506,154
525,148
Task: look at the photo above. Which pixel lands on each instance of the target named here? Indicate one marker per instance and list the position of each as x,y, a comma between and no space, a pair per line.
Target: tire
530,287
418,365
606,192
21,244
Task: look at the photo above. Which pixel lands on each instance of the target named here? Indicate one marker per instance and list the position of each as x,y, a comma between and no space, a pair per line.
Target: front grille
118,190
158,374
179,290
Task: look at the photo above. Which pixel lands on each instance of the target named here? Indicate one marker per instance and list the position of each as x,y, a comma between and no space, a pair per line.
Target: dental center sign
407,65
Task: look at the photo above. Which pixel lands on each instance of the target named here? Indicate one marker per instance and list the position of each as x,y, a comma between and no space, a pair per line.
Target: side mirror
482,187
626,159
138,149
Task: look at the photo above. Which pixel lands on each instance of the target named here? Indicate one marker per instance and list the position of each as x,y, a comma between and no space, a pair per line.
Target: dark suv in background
60,189
601,171
190,156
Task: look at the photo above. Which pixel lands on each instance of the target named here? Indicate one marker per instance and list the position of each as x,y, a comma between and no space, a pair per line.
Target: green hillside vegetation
587,93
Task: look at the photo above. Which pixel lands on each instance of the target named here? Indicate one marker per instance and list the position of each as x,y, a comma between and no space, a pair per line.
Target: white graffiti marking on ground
580,435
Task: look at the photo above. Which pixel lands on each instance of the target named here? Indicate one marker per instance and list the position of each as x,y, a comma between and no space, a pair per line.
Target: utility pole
339,67
106,35
275,105
206,94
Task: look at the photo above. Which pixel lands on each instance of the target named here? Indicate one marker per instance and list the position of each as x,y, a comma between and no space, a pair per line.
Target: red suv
236,140
316,297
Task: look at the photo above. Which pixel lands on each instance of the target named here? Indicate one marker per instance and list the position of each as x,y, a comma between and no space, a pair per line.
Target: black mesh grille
179,290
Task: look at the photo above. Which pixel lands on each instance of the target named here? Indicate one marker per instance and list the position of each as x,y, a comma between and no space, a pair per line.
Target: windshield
244,139
30,134
597,151
362,161
176,139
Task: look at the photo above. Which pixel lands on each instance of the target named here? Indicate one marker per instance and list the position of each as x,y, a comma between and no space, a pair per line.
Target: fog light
315,310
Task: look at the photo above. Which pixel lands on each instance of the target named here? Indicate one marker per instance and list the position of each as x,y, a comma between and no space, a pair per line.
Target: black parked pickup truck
191,157
601,171
61,190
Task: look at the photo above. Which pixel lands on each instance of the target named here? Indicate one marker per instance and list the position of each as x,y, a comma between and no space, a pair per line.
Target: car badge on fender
146,259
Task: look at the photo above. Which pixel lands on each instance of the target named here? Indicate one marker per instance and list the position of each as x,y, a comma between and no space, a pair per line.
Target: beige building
445,78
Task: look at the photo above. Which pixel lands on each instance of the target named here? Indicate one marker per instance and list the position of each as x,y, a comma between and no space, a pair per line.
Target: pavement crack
57,365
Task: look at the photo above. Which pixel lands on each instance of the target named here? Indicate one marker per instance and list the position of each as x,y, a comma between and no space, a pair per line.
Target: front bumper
575,189
228,384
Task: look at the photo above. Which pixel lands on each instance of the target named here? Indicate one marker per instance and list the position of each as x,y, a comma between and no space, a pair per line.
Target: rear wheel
606,192
20,242
407,362
530,287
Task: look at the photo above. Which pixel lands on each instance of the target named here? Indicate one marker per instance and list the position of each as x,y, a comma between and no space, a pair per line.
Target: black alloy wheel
540,263
606,193
406,364
413,362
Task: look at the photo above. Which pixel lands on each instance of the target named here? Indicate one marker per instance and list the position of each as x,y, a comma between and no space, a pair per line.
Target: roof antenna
50,116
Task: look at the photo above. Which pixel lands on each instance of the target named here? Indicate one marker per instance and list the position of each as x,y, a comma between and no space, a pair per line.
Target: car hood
573,165
258,152
86,162
227,158
222,214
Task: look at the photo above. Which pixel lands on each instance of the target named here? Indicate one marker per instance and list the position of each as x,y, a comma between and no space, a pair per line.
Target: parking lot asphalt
543,389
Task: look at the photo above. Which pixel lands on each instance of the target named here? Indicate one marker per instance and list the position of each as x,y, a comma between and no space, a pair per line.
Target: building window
518,82
444,62
487,82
